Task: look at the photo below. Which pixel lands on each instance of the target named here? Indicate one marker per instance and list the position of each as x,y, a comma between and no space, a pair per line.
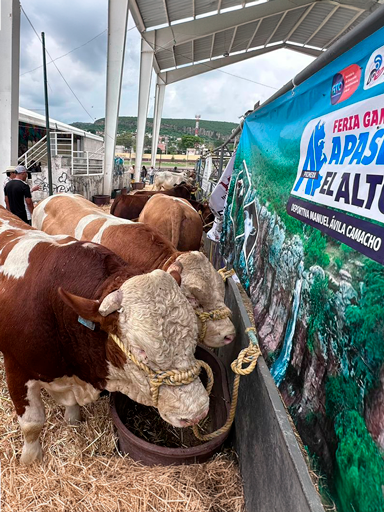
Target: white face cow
158,325
205,290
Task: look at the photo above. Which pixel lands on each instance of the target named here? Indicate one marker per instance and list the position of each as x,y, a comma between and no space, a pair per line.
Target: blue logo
314,160
337,88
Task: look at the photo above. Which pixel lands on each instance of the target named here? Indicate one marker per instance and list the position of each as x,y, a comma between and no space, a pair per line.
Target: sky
214,95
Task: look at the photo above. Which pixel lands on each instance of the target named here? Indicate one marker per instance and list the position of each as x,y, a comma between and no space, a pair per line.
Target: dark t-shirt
16,191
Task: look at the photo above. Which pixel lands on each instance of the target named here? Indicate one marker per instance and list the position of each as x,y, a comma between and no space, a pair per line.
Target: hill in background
210,131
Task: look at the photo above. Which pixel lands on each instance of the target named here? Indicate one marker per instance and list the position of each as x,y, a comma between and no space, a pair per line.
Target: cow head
205,290
155,322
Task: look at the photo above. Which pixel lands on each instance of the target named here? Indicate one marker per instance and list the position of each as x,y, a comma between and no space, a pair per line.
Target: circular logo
337,88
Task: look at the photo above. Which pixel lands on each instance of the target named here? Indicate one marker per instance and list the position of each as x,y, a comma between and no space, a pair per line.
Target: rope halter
168,377
216,314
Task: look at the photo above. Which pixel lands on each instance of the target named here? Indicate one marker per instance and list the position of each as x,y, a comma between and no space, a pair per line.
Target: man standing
16,191
11,174
151,175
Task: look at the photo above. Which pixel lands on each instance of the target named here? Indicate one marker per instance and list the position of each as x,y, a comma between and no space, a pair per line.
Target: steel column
9,86
117,30
146,67
158,111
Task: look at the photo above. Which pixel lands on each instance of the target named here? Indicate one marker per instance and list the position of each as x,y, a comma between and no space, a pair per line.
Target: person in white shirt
151,175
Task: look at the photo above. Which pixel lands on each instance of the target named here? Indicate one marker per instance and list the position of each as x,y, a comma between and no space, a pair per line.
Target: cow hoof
31,452
72,414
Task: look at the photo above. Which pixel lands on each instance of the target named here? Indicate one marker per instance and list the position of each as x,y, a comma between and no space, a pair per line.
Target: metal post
117,31
47,117
9,86
221,163
158,110
146,66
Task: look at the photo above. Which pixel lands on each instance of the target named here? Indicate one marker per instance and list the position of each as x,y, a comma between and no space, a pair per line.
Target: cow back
138,245
176,219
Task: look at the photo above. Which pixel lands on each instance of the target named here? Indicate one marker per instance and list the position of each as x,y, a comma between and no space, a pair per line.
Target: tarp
304,229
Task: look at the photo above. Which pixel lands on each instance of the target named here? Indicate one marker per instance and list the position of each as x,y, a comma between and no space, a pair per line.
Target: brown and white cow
141,247
61,300
176,219
129,206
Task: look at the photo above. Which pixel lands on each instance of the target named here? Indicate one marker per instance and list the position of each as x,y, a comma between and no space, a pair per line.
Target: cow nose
228,339
195,420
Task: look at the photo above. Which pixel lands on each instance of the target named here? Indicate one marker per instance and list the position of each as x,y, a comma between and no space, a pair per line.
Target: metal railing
87,163
37,153
81,163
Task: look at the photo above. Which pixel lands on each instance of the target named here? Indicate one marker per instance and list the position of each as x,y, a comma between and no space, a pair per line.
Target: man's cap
20,169
10,168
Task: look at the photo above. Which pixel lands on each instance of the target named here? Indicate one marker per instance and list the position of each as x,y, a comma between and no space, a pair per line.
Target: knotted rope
225,274
216,314
169,377
248,356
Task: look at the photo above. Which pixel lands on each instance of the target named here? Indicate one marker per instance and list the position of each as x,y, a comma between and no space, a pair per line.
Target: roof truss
208,34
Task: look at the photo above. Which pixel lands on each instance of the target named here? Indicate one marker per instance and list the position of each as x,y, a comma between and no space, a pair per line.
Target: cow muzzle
222,315
157,378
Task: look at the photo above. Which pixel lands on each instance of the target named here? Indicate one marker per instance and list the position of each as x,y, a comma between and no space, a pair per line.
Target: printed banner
342,160
304,229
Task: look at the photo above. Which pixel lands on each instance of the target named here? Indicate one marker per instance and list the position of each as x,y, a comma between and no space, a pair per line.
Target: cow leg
66,397
25,394
72,414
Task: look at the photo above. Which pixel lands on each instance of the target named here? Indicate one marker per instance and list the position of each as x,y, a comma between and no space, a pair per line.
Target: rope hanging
169,377
248,356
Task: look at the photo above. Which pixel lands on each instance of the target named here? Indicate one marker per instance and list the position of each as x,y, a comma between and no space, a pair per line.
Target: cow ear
86,308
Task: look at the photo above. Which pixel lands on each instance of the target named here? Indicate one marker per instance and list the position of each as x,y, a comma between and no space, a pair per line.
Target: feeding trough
149,453
101,199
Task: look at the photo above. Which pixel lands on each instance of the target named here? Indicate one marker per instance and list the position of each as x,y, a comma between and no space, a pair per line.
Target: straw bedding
82,470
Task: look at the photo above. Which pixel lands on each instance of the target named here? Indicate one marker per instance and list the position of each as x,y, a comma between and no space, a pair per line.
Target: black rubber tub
151,454
101,199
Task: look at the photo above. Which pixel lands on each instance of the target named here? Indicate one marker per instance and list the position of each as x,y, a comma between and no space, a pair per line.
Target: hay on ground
83,472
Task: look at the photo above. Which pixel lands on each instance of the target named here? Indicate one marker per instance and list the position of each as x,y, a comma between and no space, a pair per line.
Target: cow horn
111,303
175,270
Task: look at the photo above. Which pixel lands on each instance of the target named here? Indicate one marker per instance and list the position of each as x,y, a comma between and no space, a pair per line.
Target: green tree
125,139
359,466
190,141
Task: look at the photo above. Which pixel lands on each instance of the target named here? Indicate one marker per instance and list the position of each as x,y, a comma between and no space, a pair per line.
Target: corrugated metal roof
316,23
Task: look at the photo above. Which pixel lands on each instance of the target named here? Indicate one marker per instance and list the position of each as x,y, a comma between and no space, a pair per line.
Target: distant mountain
209,130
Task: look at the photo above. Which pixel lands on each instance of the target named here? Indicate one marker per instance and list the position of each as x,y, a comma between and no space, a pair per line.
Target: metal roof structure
185,33
184,38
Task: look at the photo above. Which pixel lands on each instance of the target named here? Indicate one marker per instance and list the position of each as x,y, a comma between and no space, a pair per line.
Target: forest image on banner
304,230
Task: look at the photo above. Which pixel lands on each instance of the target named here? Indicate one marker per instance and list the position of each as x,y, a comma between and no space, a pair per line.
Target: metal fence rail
81,163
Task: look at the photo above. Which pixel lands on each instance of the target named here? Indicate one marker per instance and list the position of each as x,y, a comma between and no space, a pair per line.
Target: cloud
215,95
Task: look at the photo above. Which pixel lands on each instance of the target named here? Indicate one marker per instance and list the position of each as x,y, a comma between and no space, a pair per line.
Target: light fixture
225,54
